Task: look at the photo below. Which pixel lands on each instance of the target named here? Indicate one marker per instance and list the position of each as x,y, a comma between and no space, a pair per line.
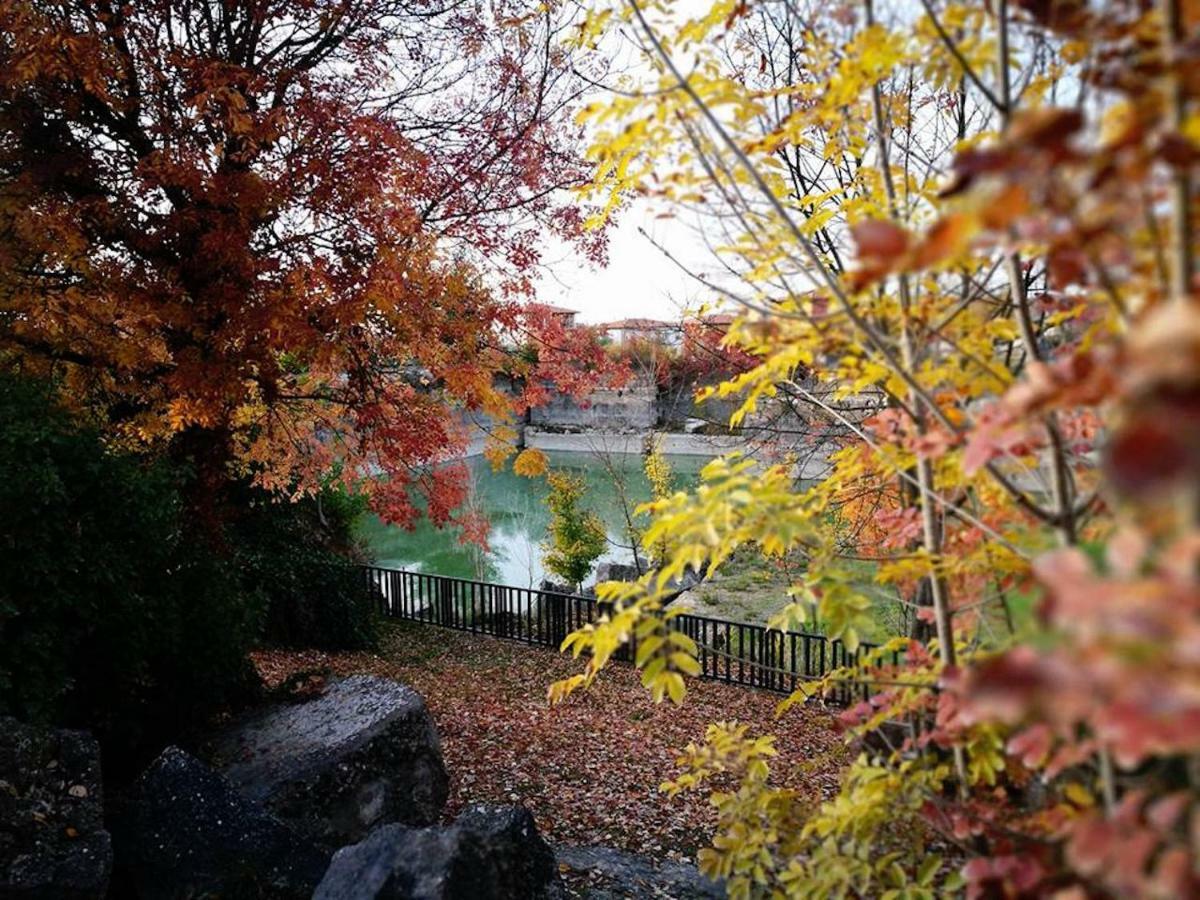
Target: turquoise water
516,509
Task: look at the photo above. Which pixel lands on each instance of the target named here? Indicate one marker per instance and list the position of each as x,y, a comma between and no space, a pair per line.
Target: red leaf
1092,845
1147,454
880,242
947,237
1165,812
1032,745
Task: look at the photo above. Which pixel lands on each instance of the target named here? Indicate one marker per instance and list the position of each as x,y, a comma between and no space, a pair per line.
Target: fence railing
732,652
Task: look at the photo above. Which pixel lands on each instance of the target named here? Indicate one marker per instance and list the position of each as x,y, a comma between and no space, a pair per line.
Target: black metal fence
732,652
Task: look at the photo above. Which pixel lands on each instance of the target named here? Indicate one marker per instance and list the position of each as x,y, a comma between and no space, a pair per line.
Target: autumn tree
281,239
577,537
972,225
659,476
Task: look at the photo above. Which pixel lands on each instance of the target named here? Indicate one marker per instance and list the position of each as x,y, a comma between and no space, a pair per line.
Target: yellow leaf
1079,795
530,463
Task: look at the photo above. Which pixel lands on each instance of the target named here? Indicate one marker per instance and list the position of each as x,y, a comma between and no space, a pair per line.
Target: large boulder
615,571
604,873
489,853
52,839
547,586
612,571
184,832
364,752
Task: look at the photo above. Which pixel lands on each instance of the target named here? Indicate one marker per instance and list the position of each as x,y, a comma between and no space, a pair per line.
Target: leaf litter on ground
589,769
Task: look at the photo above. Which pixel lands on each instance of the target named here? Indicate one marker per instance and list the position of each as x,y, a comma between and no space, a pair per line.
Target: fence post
445,607
503,620
556,610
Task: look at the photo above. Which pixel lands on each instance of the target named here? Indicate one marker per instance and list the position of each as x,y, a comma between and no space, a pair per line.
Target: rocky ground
588,770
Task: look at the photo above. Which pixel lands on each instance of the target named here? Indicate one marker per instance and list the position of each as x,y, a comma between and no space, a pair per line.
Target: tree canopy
284,238
577,537
962,235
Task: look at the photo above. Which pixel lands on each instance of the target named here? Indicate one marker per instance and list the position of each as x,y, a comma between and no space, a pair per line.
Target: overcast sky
639,280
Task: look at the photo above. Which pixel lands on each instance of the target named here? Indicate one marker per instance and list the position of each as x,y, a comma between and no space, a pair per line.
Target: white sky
639,281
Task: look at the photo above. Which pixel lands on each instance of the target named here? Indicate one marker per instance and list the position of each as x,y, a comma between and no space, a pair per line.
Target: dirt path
588,770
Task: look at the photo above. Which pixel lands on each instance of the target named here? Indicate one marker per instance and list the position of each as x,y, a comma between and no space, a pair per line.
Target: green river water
516,508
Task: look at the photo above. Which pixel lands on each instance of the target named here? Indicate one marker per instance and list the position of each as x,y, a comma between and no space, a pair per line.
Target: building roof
638,325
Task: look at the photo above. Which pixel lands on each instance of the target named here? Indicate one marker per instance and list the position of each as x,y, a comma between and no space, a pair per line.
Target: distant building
718,321
564,315
668,334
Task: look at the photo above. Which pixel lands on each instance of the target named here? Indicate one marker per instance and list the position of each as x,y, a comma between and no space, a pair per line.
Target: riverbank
708,446
672,444
598,441
750,588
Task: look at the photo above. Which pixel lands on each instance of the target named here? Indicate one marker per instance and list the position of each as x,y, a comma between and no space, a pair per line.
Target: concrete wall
610,442
634,409
622,421
675,407
811,466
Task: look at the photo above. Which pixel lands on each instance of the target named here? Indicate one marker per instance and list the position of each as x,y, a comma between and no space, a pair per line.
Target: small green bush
298,558
119,614
114,616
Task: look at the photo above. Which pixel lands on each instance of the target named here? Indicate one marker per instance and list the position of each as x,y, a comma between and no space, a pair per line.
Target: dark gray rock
602,873
184,832
52,839
609,571
364,752
489,853
546,585
613,571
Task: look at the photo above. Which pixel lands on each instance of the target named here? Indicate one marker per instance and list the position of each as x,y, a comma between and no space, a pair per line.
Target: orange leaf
946,238
1007,205
880,242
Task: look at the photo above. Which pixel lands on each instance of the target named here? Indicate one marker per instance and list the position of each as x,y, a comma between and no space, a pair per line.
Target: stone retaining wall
609,442
633,408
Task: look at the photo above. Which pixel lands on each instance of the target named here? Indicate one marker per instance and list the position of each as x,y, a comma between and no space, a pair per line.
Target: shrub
120,616
577,536
113,615
298,559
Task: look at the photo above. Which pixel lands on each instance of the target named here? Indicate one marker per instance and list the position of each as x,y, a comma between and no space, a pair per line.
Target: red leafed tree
281,237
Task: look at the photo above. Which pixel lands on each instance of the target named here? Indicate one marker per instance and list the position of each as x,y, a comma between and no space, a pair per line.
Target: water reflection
516,508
